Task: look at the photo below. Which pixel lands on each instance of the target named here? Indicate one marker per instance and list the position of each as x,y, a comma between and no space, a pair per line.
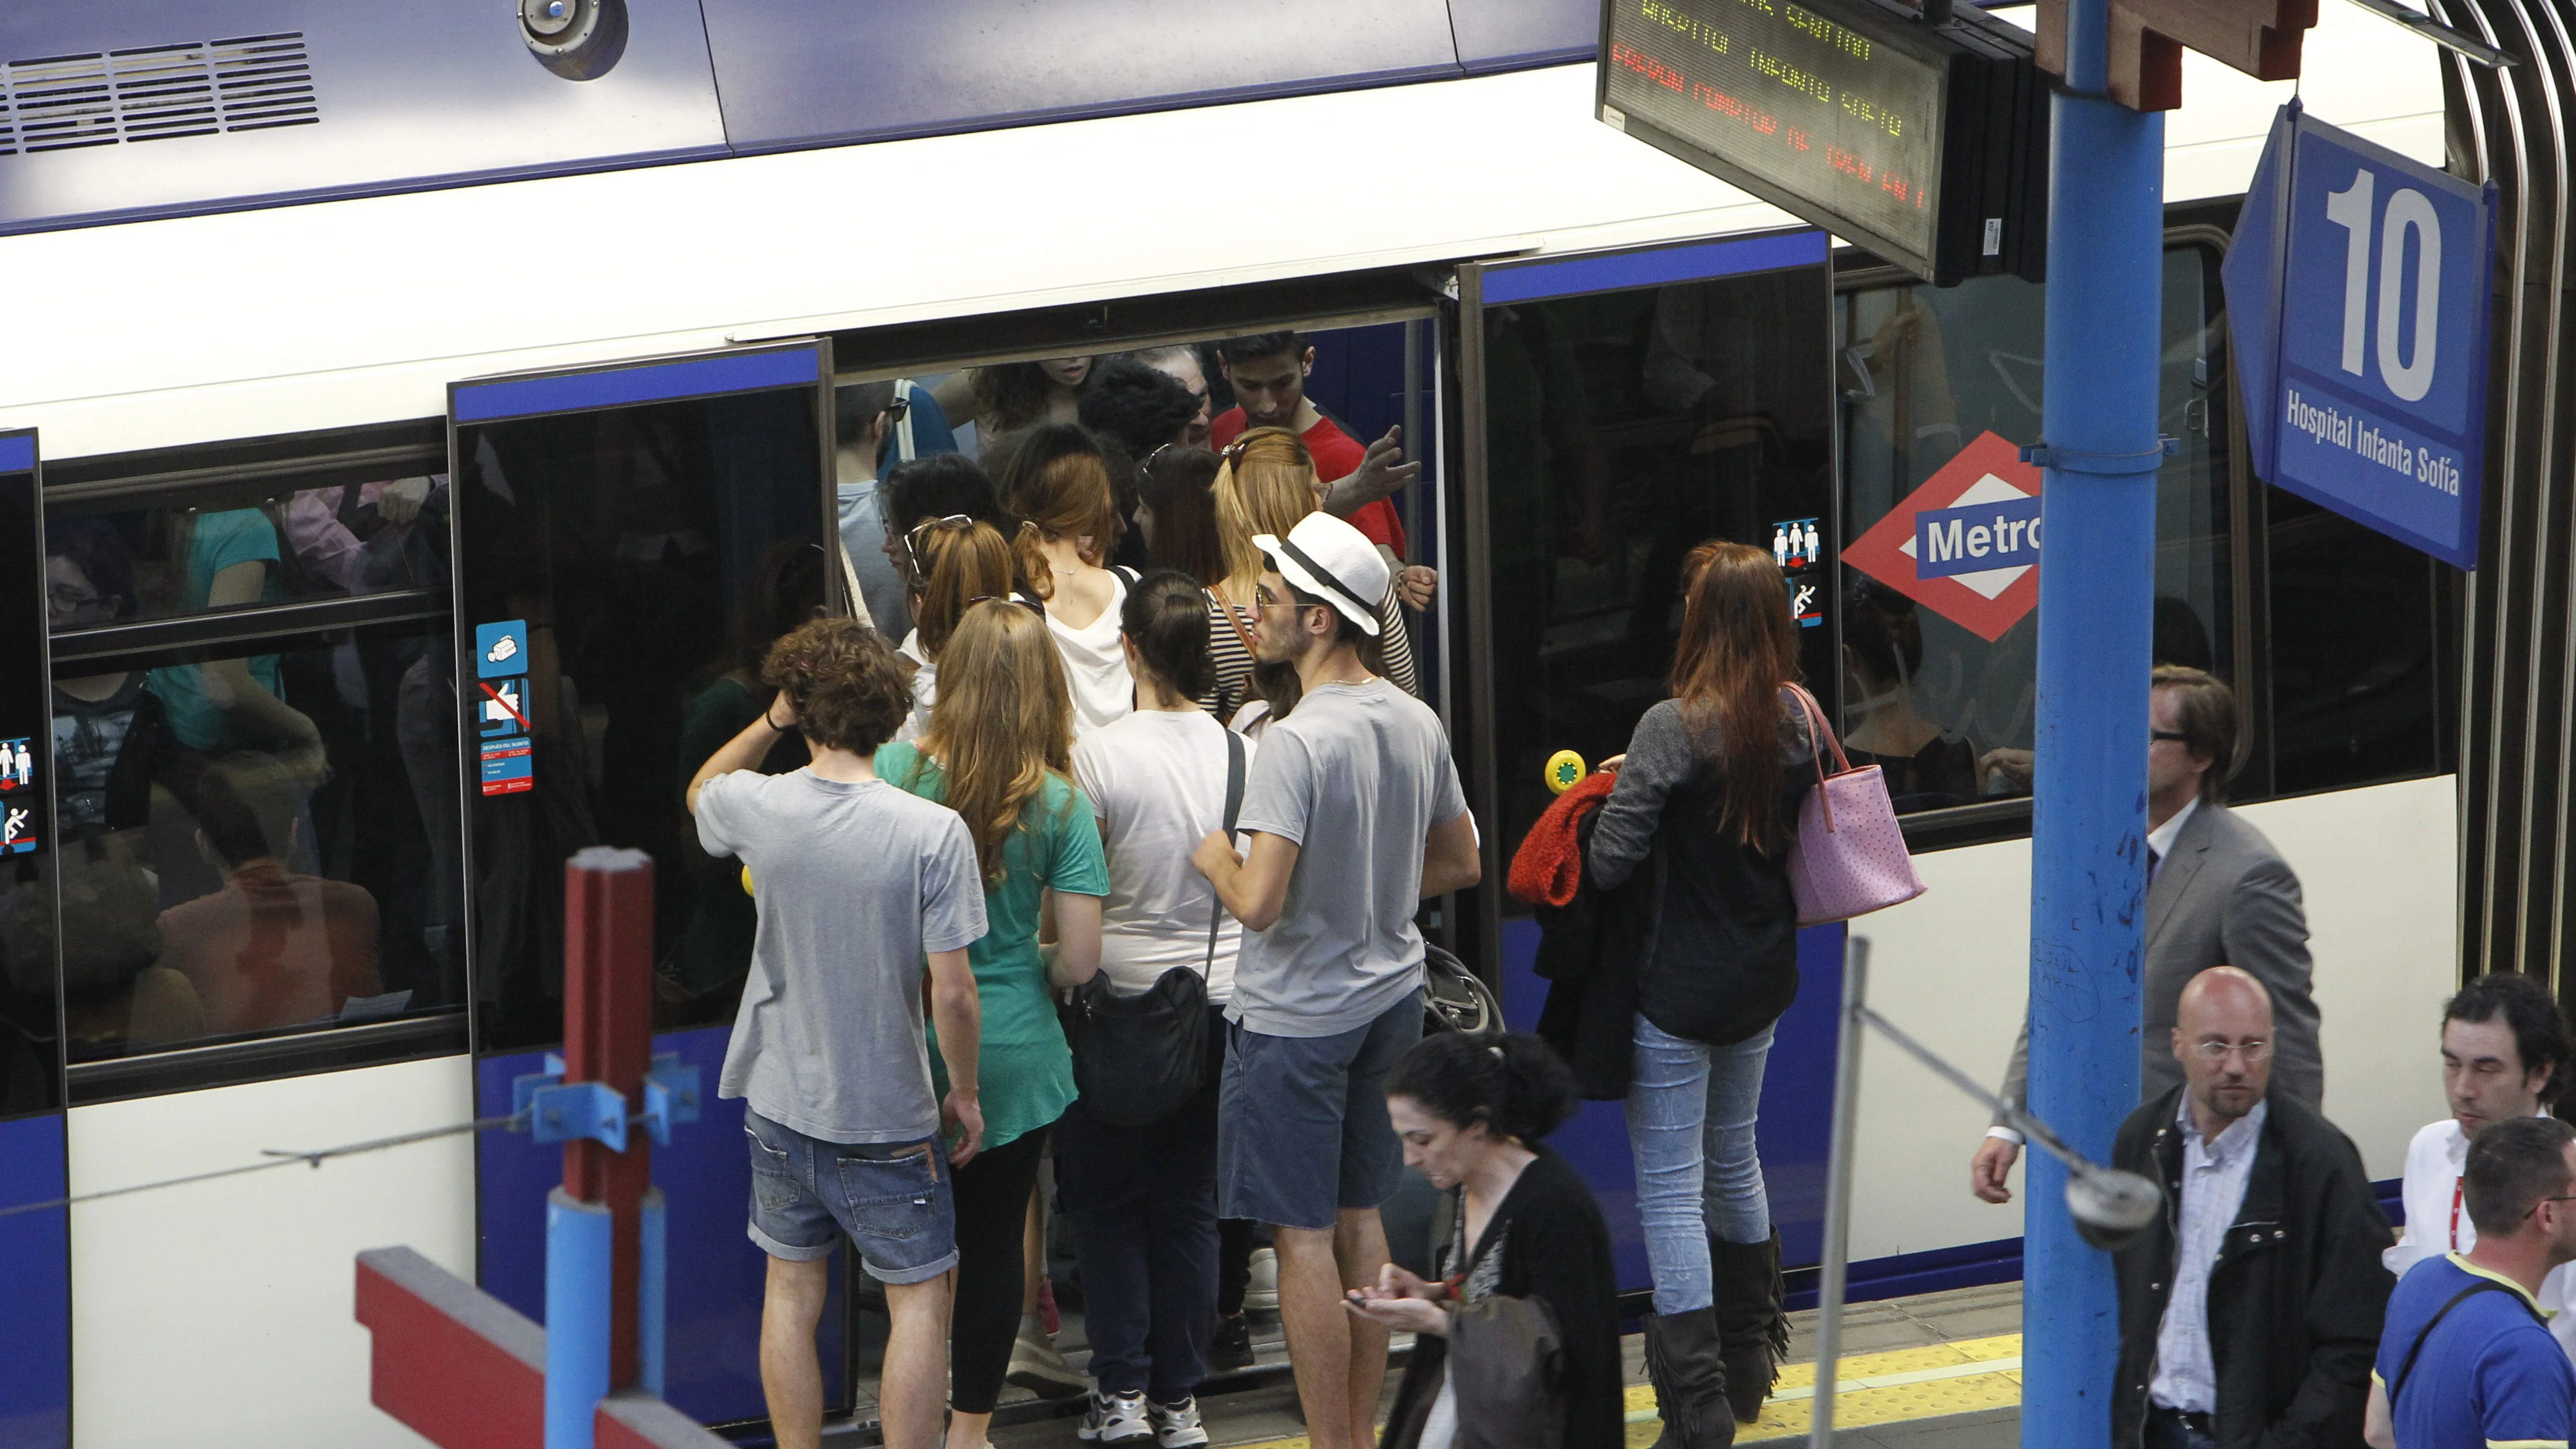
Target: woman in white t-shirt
1056,480
1157,781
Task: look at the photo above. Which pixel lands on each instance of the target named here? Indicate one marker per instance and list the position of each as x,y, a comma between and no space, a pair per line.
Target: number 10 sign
2360,283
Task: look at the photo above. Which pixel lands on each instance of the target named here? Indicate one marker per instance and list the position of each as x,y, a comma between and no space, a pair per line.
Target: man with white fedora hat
1355,816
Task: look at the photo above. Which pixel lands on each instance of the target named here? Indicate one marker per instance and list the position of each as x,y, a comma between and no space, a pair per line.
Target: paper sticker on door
501,649
1966,544
508,766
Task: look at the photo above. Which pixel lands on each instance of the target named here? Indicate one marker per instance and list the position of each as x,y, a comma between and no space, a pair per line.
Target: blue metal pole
653,1288
578,1237
2096,601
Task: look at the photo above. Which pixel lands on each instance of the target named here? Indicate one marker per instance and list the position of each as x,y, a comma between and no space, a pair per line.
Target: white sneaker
1176,1426
1261,1294
1120,1419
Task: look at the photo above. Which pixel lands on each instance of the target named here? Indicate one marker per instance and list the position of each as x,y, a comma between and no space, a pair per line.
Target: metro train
424,331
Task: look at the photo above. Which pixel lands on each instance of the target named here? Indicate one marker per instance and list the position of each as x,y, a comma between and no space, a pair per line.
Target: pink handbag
1849,858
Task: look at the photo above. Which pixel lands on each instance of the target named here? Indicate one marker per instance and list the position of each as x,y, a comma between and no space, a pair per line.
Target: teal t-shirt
1024,1068
221,540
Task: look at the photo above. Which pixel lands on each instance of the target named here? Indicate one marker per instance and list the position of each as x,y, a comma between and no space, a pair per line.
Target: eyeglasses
1032,605
2565,1197
897,410
2177,736
2215,1052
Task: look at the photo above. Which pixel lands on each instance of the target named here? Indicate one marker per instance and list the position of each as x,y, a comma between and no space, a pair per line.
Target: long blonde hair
1264,485
1003,722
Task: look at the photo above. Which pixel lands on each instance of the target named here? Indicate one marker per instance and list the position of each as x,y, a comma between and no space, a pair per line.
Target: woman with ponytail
1142,1199
998,752
1471,1113
1707,799
1056,481
954,561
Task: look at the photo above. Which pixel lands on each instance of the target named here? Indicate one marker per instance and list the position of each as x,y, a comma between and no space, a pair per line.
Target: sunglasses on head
912,539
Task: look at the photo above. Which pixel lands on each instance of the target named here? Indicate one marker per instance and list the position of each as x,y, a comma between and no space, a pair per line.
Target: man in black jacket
2250,1312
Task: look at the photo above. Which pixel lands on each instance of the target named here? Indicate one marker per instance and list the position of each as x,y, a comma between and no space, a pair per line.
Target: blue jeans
1691,1110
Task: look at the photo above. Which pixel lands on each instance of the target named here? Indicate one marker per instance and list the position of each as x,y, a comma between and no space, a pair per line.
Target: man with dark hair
1355,816
2504,1058
858,883
1268,371
2249,1310
2467,1361
2217,893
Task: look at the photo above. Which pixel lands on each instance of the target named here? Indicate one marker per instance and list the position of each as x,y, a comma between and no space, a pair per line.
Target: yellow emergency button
1565,770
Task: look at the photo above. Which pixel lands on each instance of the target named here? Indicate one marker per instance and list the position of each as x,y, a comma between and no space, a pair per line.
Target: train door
35,1247
629,540
1619,408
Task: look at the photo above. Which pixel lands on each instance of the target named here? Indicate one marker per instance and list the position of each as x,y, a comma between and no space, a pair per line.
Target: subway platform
1940,1371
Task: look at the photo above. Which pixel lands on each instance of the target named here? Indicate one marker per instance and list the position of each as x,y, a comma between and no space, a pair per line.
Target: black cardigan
2295,1298
1557,1249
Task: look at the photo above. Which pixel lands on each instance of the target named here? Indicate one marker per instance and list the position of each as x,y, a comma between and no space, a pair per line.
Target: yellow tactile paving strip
1959,1377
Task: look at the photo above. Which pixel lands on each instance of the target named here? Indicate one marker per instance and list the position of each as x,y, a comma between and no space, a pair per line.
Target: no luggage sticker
1966,544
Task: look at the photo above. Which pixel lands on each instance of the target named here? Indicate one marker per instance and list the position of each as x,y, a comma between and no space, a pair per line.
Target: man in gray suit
2218,894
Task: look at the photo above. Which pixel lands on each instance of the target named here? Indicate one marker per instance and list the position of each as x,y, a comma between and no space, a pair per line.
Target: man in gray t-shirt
859,884
1355,817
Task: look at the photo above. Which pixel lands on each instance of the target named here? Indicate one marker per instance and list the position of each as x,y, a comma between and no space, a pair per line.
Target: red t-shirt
1336,456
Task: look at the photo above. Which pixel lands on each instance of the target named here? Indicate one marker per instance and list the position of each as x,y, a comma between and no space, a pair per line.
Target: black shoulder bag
2406,1369
1139,1059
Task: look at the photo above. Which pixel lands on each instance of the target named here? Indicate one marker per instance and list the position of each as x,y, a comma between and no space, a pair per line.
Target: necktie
2155,862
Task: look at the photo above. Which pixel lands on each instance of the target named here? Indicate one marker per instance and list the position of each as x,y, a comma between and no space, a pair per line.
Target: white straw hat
1332,561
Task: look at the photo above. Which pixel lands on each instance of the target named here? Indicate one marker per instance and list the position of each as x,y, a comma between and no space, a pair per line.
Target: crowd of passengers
1121,743
1276,880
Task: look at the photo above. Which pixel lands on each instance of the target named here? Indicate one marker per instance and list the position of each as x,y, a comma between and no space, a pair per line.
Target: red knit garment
1549,864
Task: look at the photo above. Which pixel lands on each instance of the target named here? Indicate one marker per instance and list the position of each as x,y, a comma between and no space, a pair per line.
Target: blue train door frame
628,538
35,1247
1617,408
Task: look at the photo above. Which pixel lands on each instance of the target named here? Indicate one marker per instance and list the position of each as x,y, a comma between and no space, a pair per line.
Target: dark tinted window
1622,429
256,840
1940,386
650,556
2359,631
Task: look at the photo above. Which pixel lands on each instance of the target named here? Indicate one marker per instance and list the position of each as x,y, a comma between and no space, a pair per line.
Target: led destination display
1924,143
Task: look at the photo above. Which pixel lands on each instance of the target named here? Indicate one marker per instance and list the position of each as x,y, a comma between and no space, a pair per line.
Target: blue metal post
653,1290
578,1243
2096,600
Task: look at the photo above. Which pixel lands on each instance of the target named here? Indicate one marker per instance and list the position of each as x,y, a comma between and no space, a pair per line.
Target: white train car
215,389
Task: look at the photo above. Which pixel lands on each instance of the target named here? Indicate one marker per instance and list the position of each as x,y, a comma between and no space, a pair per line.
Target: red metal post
608,1038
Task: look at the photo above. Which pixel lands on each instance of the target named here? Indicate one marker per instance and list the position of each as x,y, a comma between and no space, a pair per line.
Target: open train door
629,539
1617,409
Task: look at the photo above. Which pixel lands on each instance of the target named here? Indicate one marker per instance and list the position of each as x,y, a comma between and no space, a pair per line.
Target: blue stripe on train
35,1289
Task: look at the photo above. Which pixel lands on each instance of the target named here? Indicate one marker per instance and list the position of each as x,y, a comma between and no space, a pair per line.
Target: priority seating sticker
1966,544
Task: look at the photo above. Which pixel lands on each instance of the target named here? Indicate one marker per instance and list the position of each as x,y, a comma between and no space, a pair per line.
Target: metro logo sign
1966,544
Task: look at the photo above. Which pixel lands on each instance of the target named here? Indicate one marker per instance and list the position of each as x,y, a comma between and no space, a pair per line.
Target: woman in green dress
999,753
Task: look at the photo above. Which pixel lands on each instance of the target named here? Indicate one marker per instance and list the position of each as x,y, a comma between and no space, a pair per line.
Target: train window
1939,670
1621,428
2359,693
252,840
232,546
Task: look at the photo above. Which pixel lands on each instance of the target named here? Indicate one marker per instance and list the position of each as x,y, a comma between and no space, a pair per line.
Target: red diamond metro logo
1985,602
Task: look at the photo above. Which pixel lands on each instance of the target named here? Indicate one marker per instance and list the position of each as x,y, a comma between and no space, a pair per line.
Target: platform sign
2361,285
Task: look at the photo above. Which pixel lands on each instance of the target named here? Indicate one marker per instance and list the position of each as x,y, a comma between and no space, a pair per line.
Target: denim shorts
1302,1127
892,1198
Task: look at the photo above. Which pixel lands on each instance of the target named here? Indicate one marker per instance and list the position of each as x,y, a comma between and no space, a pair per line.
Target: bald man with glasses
2250,1311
